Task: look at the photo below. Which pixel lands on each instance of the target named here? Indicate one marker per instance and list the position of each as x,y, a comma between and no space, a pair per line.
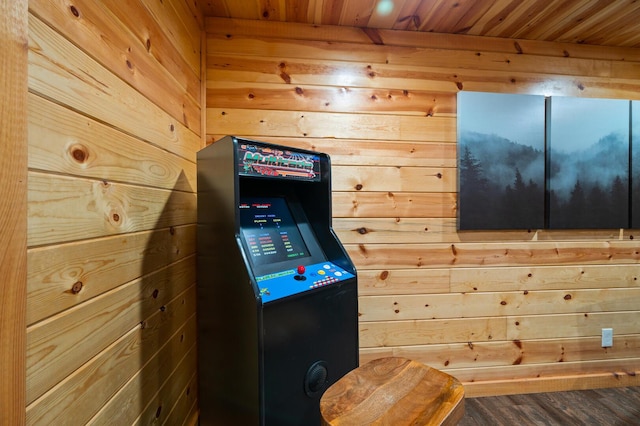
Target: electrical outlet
607,337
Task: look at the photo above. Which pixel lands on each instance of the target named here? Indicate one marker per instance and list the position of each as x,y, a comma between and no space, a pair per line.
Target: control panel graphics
303,278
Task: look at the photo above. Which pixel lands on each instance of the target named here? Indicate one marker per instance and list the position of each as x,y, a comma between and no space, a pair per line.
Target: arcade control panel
286,283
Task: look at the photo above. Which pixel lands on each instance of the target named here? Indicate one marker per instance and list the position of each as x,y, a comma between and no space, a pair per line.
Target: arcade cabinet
277,293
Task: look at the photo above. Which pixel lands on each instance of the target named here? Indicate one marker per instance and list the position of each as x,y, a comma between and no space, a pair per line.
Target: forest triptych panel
530,162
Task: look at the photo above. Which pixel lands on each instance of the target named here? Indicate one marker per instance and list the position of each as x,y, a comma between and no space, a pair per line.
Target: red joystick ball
301,269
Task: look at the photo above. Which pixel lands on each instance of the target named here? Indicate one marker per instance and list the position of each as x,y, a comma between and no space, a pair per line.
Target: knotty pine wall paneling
13,204
505,312
114,124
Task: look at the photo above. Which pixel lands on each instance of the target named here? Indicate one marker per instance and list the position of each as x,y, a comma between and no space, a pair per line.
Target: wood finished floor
601,407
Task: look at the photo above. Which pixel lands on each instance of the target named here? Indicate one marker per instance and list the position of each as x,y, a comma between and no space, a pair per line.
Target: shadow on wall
165,388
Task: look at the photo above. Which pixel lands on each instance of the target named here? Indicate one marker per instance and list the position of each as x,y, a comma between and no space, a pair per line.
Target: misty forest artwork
588,165
501,161
530,162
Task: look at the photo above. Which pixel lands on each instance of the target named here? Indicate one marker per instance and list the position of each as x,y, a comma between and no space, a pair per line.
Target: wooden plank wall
114,123
13,204
505,312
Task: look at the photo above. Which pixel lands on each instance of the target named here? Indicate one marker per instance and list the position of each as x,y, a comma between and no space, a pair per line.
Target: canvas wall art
501,161
588,163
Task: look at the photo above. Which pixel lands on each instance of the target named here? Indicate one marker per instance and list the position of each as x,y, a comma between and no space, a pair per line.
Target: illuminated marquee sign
266,161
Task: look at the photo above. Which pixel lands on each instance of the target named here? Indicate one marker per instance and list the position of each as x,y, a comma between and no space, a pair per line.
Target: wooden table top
393,391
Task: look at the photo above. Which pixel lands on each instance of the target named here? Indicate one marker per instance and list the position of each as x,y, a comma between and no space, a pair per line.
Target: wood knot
155,293
79,153
285,77
518,48
362,231
299,91
358,187
384,275
74,11
567,297
76,287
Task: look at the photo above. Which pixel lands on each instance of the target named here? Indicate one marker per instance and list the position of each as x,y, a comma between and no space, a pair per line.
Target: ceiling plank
594,22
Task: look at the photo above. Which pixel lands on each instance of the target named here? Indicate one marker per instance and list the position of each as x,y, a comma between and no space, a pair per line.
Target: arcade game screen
270,232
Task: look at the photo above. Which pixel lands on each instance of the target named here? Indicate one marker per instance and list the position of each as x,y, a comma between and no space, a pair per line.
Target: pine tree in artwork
473,193
619,204
576,209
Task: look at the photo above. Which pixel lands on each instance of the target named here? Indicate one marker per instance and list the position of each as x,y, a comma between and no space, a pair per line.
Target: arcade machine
277,293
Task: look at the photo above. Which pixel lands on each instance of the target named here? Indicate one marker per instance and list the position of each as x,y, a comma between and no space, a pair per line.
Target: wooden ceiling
597,22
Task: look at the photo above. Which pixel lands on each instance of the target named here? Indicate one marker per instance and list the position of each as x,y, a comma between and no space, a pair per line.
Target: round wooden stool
393,391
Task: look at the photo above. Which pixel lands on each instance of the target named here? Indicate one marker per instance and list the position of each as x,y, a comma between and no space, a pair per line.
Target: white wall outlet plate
607,337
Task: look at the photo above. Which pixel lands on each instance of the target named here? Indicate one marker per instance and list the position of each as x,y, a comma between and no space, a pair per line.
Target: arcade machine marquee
277,293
